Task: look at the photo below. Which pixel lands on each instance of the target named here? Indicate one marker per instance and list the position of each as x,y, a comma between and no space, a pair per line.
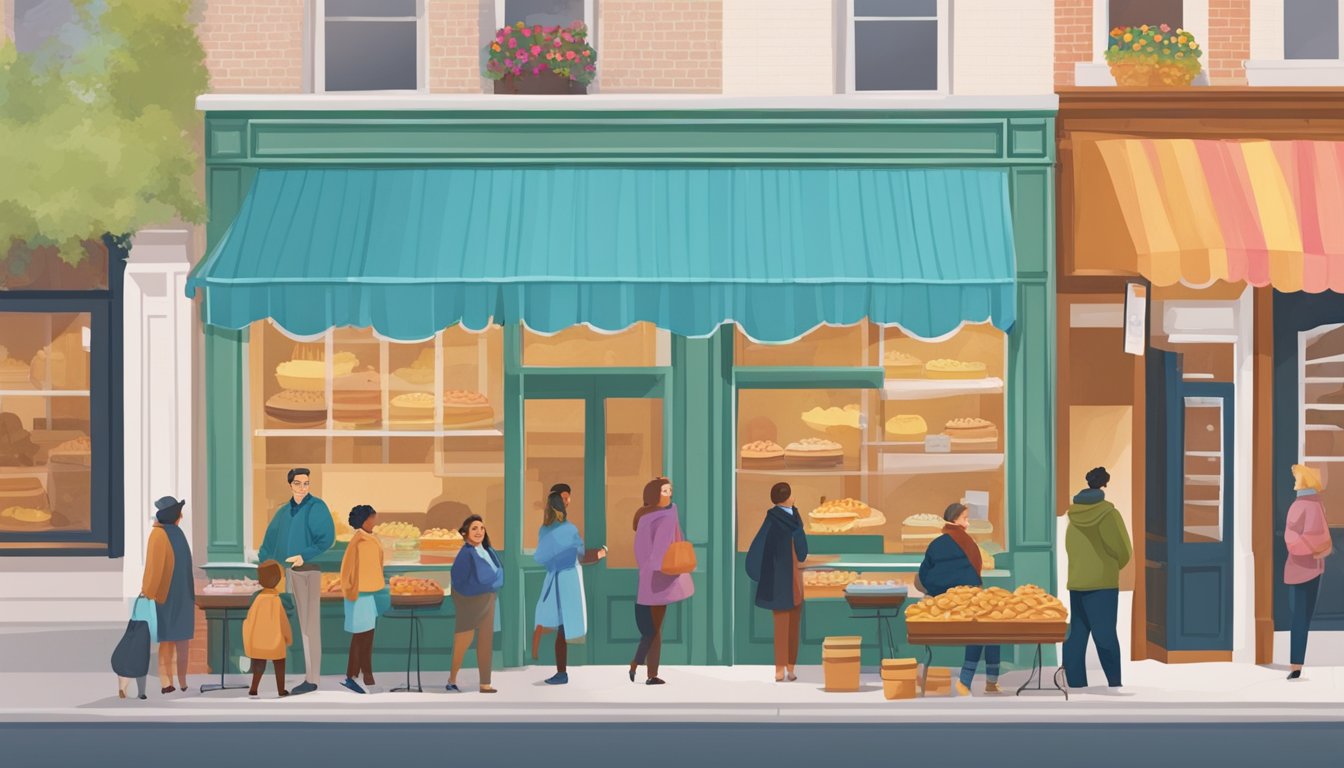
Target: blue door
1189,511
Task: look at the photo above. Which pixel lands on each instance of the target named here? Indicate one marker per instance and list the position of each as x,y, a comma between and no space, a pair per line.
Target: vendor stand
962,633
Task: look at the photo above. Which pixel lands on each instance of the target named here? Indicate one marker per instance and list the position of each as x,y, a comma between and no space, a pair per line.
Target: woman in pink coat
1307,537
656,527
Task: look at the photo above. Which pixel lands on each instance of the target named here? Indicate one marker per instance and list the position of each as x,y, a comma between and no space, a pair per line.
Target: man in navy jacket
772,562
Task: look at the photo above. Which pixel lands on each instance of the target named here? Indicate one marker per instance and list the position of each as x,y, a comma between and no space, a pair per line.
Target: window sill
215,102
1295,72
1098,73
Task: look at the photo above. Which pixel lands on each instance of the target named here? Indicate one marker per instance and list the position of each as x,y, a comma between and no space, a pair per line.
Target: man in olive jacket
1098,547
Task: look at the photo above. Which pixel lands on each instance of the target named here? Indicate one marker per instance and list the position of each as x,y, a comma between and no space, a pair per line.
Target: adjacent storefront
443,313
1200,261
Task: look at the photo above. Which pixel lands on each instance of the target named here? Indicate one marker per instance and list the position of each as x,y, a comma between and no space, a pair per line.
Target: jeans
1302,598
649,619
991,653
1094,613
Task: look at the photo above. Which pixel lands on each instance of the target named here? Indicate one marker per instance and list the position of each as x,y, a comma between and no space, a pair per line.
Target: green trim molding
699,388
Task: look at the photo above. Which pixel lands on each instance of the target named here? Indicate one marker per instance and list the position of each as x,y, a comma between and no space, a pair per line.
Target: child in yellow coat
266,632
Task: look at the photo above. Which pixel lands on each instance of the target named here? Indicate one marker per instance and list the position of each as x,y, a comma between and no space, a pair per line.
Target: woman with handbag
665,562
362,582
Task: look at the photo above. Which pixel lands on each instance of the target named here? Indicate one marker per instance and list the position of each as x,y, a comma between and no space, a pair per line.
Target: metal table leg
413,644
924,675
1038,673
223,658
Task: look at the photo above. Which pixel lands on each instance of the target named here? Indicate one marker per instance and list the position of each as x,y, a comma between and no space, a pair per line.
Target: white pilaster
157,379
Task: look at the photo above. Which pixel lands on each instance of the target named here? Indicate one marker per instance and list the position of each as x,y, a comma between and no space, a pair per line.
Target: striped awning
1195,211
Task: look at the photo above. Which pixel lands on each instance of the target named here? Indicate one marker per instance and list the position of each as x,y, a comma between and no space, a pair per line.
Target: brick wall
1002,48
454,31
1229,42
199,664
1074,38
253,46
669,46
799,35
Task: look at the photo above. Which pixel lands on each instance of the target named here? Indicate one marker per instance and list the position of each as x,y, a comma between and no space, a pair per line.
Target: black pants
1302,598
1094,613
649,619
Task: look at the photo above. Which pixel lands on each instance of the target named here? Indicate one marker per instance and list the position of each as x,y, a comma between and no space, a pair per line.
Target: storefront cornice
1134,107
680,103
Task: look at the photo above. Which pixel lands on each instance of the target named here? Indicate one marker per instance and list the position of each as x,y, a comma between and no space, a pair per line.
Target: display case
412,429
1321,415
60,489
873,468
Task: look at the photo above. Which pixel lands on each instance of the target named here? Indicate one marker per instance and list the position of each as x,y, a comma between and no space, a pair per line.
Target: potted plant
541,60
1153,55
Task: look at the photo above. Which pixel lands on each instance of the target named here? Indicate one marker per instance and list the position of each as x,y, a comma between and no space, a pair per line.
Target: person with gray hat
169,582
299,531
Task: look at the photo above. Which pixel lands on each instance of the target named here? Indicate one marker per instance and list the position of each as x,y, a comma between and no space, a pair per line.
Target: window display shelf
785,472
1323,428
939,463
929,389
1203,479
1323,459
1325,360
44,393
379,433
1325,406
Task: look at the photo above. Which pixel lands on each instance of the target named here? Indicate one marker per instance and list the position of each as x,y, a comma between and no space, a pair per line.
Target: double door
1189,525
606,435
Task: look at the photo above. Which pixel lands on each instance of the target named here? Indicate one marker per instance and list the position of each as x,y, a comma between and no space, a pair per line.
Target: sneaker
559,678
962,690
655,681
1296,674
992,688
452,688
347,682
304,687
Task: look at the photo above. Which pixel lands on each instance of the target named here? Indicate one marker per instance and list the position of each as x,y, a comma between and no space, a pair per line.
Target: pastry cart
962,633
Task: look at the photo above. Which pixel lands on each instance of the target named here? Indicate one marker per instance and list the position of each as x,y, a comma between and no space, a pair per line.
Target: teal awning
779,251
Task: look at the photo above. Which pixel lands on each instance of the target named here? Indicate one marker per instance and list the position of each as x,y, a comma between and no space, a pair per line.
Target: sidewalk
1153,693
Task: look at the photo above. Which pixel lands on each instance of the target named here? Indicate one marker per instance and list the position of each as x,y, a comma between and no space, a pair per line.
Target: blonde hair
1307,477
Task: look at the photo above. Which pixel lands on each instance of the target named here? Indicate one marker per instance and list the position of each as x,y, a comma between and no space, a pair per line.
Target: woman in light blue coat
562,606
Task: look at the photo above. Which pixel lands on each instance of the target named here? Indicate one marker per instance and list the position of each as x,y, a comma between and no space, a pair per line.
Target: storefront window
410,428
827,345
553,453
45,422
1321,440
641,345
885,462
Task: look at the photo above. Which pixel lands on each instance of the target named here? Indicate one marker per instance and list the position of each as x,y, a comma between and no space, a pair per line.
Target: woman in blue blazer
478,574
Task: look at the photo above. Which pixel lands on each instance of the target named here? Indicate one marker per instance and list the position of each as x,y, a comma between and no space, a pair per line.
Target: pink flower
536,49
522,55
568,37
513,42
590,68
571,55
1164,28
558,42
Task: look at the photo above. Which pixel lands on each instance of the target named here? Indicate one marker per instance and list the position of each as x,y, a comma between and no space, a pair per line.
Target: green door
604,434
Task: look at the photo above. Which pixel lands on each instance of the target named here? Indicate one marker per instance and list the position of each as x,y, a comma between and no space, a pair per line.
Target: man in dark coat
772,562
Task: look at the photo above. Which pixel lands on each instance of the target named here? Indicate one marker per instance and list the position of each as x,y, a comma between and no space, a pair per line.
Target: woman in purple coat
656,528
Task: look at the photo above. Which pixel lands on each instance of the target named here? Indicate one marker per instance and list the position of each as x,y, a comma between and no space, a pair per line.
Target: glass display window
1321,439
411,429
642,345
826,346
554,433
885,462
46,424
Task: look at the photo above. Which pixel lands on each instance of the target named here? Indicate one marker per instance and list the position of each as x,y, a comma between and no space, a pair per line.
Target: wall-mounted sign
1136,318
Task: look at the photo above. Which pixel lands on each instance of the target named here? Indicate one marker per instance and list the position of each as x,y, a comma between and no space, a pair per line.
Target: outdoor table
966,633
226,605
406,607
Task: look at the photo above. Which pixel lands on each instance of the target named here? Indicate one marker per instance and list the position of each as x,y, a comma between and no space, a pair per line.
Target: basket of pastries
1028,615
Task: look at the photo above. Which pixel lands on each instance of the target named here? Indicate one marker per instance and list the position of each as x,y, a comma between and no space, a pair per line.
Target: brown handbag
679,558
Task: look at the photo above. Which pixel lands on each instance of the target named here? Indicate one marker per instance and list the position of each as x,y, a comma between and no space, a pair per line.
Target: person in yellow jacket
361,579
266,632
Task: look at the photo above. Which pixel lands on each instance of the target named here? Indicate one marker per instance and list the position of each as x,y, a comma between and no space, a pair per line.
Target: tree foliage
100,138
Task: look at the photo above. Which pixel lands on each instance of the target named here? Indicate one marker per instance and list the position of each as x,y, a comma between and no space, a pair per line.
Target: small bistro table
406,607
225,605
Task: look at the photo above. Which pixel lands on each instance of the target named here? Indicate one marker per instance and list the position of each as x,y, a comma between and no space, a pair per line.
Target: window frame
318,59
1339,37
1195,14
944,20
589,18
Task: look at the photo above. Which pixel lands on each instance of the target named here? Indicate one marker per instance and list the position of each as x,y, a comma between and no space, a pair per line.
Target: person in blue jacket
562,606
953,560
772,562
478,575
301,529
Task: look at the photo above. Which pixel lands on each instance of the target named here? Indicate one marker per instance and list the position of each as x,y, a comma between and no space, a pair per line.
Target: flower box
1153,56
541,60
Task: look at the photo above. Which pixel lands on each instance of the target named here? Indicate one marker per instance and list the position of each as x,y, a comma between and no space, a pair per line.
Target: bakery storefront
444,312
1200,268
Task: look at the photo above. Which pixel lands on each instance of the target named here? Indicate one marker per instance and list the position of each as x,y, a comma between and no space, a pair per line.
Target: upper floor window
1136,13
1311,29
546,13
898,46
369,45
